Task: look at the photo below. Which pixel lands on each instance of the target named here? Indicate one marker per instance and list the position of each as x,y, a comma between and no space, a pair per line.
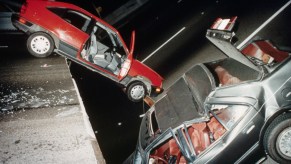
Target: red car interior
263,50
200,134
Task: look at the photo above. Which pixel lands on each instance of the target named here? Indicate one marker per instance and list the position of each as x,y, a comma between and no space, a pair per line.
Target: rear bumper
21,24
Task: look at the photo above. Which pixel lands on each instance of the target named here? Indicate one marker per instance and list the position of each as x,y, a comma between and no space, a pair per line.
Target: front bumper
156,91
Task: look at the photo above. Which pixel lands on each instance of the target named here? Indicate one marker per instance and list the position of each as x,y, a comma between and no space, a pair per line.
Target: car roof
51,3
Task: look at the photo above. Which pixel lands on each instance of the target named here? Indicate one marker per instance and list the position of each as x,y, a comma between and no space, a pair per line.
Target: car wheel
136,91
40,44
277,139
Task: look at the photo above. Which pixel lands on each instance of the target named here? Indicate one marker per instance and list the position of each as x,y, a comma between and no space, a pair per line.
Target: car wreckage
232,110
81,37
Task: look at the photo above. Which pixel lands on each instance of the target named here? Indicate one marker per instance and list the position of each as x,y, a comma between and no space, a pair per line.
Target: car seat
99,59
93,45
199,134
261,48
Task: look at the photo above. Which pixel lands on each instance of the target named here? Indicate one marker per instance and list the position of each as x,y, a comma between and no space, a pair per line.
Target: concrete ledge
41,117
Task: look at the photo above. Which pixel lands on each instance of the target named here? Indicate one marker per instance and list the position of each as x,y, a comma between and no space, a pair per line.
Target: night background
115,120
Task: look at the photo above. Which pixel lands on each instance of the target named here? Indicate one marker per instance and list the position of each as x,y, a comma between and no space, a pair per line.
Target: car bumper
156,91
21,24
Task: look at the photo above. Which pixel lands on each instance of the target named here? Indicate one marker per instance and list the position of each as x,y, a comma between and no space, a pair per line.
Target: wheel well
37,28
270,120
143,80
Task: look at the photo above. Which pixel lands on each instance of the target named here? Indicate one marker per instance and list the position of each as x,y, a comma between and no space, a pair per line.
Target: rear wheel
277,139
40,44
136,91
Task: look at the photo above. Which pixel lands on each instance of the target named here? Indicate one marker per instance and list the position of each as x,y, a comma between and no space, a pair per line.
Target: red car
80,36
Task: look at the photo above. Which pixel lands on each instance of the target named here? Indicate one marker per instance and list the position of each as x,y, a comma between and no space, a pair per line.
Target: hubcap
40,44
284,142
137,92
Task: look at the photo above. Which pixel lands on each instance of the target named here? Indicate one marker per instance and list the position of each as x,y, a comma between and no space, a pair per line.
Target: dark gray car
234,110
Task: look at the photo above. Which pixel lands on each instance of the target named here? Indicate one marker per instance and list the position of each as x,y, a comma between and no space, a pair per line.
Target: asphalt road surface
170,39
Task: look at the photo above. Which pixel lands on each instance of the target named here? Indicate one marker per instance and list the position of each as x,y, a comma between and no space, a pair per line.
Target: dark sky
107,5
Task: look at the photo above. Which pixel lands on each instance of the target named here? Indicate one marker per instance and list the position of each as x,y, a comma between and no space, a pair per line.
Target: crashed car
233,110
87,40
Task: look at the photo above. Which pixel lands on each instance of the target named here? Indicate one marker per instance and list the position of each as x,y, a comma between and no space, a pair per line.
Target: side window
229,114
75,18
109,40
103,37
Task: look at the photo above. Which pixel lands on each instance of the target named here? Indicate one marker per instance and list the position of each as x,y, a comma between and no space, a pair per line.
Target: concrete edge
89,129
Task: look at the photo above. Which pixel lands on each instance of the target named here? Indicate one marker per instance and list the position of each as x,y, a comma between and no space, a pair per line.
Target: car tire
136,91
277,139
40,44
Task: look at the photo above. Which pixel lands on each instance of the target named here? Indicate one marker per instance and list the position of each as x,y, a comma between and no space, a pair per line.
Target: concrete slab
41,117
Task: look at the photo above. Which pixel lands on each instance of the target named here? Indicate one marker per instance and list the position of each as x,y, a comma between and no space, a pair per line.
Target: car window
77,19
229,115
104,37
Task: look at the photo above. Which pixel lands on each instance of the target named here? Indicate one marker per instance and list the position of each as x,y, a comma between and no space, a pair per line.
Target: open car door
127,63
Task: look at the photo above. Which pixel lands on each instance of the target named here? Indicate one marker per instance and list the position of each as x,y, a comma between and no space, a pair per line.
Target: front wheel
136,91
277,139
40,44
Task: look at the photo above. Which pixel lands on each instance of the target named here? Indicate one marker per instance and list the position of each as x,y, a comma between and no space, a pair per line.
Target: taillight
125,68
21,20
24,7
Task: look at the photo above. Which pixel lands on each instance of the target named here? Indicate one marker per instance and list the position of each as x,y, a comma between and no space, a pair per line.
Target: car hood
139,69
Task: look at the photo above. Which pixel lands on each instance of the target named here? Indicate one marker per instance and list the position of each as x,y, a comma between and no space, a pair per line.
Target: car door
126,65
106,52
71,26
242,124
